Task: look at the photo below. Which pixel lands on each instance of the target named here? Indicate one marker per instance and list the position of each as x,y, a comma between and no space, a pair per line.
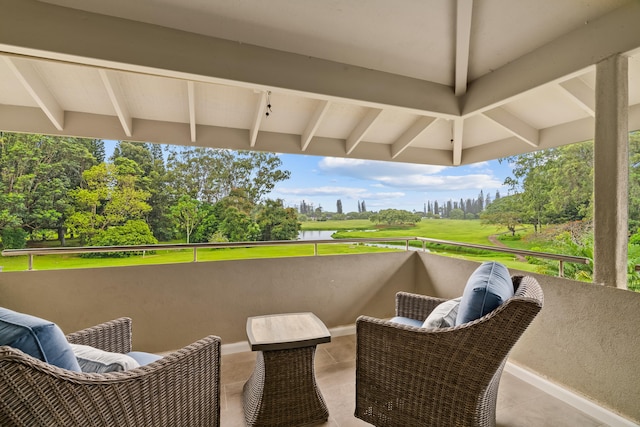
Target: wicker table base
282,390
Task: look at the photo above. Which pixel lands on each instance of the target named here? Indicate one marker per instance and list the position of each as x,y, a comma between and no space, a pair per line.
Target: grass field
58,262
454,230
472,231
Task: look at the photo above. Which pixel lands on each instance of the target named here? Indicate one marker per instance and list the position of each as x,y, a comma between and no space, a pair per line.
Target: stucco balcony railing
585,339
30,252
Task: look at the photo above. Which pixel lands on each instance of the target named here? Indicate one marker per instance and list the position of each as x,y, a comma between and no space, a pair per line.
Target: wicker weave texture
181,389
282,390
408,376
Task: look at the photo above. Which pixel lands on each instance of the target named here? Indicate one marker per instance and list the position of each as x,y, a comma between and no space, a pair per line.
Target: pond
315,234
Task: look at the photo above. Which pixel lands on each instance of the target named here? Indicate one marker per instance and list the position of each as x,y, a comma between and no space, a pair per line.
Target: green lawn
58,262
472,231
468,231
455,230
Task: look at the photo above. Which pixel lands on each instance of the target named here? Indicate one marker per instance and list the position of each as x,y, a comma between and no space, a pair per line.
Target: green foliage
207,226
14,238
238,226
634,181
154,178
277,222
187,214
456,214
218,237
554,185
209,175
510,237
110,196
568,242
36,174
395,217
504,212
134,232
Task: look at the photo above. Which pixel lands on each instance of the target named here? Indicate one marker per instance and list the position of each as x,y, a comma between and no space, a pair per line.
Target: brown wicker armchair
408,376
181,389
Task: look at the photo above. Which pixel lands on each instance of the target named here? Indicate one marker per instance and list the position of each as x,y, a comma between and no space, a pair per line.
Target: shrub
14,238
136,232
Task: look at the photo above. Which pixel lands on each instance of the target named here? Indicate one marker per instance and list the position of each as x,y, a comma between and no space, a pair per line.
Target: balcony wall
585,339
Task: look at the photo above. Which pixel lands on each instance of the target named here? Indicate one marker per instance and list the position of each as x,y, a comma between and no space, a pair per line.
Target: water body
315,234
326,235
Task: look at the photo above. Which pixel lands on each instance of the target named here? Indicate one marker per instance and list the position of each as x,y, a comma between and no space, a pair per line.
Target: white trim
588,407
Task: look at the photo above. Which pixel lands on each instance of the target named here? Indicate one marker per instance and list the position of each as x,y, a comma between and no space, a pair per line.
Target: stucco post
611,172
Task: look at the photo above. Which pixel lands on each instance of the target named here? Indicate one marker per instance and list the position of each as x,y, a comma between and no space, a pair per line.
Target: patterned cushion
98,361
488,287
36,337
444,315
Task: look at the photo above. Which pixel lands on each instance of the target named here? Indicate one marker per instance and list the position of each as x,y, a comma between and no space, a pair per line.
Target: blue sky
321,181
324,180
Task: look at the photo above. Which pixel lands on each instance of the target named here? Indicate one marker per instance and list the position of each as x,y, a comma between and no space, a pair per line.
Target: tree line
555,186
142,194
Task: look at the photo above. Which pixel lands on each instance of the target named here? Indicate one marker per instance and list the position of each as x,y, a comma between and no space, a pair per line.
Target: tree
480,202
187,214
395,217
209,174
36,174
151,161
238,226
339,206
531,179
504,212
108,197
456,214
277,222
634,182
132,233
233,215
556,185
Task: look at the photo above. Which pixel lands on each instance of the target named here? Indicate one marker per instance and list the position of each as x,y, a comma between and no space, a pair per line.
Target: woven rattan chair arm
114,336
415,306
181,389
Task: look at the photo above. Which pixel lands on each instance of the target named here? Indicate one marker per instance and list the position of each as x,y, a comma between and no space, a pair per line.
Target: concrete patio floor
519,403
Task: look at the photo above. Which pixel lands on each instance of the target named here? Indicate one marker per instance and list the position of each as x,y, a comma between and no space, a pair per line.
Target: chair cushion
444,315
144,358
98,361
489,286
36,337
407,321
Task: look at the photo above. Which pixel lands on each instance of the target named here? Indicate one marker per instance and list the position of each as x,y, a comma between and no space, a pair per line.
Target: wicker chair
181,389
408,376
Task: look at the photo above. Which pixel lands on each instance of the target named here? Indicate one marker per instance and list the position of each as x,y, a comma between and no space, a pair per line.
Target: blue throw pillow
488,287
38,338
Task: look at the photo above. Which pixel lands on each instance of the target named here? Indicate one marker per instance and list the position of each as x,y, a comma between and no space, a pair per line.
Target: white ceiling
423,81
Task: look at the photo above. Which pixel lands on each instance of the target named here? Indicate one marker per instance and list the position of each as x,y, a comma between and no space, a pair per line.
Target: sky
321,181
383,185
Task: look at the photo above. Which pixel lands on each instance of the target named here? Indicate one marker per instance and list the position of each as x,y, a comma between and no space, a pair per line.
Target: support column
611,172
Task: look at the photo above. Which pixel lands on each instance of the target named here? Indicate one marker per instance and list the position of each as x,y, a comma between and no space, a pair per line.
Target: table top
286,331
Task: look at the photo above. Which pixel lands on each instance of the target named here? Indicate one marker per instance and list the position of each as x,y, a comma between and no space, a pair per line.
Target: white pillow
444,315
99,361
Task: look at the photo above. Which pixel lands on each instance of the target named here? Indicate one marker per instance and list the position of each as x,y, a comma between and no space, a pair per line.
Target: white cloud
409,177
479,165
339,192
371,169
324,191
